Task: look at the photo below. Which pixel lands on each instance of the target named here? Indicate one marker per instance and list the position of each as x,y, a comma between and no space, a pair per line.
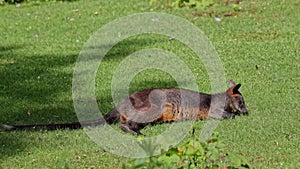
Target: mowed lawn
40,42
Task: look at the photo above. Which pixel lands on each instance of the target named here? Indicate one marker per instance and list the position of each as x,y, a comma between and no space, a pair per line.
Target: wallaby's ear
231,83
235,89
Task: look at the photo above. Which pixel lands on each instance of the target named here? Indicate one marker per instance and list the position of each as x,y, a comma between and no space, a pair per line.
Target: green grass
39,45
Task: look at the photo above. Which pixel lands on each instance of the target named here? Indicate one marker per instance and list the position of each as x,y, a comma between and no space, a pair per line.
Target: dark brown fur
152,106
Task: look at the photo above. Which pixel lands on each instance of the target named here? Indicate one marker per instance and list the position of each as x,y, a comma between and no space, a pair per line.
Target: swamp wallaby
153,106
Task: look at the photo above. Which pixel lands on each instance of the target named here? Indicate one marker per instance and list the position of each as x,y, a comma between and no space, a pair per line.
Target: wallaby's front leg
221,114
227,115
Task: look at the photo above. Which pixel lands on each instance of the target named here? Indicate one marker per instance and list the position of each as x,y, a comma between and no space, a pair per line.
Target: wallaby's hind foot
131,128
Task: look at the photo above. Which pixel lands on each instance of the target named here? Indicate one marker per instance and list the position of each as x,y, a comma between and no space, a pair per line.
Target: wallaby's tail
71,126
110,118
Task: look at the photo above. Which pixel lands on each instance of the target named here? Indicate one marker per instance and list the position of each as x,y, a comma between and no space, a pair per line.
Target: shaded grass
40,44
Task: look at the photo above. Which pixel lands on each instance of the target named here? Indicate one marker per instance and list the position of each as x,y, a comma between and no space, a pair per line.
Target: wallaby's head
235,100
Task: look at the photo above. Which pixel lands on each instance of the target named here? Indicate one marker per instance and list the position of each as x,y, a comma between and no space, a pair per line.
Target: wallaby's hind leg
133,128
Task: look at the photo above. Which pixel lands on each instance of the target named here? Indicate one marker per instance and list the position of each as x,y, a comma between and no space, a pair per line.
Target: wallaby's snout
244,111
239,105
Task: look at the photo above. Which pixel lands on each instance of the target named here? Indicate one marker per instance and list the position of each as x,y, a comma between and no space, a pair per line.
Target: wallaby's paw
228,116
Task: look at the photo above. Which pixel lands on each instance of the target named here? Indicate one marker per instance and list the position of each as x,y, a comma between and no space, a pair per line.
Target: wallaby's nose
244,112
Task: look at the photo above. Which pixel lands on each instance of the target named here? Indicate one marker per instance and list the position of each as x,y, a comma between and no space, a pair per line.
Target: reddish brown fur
167,114
123,119
203,114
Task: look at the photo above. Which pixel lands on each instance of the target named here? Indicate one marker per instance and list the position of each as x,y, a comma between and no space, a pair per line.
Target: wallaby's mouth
242,112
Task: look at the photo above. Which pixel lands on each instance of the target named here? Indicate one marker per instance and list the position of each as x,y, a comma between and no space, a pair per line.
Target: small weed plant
193,4
193,154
